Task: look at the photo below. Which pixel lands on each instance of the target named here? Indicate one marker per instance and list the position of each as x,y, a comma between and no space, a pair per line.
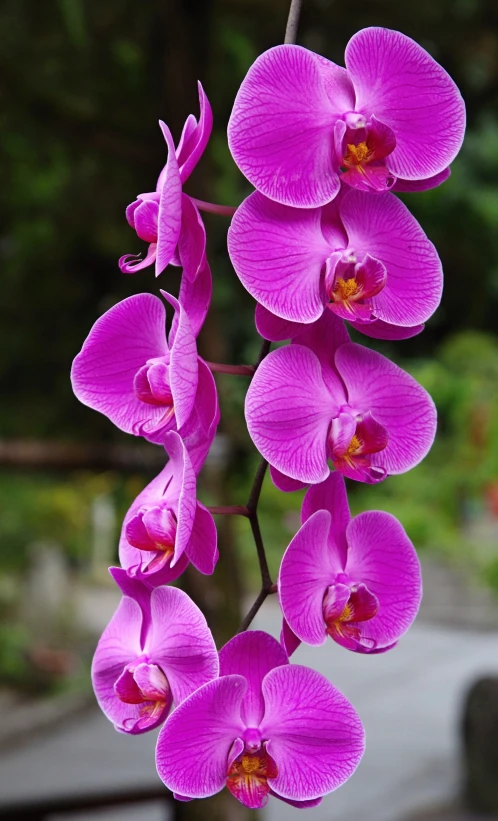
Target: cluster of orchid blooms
323,239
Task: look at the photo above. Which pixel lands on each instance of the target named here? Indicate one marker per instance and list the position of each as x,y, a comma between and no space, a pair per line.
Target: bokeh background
83,84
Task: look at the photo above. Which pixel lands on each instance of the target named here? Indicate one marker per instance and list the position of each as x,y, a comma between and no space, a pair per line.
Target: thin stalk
213,208
293,21
230,510
237,370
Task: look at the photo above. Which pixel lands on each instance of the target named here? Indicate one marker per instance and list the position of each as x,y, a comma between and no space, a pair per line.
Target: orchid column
322,241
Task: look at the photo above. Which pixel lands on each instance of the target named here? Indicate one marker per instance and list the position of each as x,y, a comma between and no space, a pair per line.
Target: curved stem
254,609
213,208
230,510
238,370
293,21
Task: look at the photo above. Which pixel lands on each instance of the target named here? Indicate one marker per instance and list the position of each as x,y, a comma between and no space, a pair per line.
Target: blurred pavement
409,700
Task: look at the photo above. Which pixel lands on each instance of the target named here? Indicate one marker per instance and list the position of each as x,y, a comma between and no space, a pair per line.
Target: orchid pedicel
323,241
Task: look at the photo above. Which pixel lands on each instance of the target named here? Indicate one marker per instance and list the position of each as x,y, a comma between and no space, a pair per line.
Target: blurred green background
83,83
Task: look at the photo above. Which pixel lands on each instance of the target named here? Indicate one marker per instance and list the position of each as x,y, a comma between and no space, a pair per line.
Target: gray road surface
409,700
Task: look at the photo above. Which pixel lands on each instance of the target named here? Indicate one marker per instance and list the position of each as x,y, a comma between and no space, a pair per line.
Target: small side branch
230,510
254,609
213,208
236,370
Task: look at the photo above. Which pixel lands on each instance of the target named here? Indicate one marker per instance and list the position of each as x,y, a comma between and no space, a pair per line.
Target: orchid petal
421,185
399,82
170,207
180,642
199,430
383,227
306,571
316,736
252,654
382,557
183,374
168,484
202,546
288,410
324,337
330,495
266,134
274,328
288,639
192,239
118,345
181,491
131,263
145,219
278,253
194,140
195,298
118,646
138,590
194,743
396,401
382,330
285,483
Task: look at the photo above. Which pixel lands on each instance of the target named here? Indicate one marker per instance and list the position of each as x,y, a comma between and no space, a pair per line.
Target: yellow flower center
357,154
353,446
252,763
345,288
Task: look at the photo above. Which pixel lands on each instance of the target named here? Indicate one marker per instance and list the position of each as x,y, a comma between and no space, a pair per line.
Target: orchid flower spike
145,382
324,398
264,727
166,218
157,649
364,258
301,125
357,580
166,526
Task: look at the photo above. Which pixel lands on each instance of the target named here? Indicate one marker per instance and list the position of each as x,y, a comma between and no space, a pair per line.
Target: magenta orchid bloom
323,397
157,649
166,218
357,579
145,382
365,258
265,727
166,527
393,118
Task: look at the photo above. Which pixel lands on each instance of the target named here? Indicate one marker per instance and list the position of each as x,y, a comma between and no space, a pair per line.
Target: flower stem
293,21
230,510
238,370
212,208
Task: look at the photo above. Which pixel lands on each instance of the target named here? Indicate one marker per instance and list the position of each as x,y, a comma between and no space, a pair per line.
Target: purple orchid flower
166,218
365,258
355,579
145,382
166,527
323,397
265,727
157,649
300,124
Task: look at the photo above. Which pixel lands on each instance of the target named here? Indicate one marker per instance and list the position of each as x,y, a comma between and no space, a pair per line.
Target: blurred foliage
37,508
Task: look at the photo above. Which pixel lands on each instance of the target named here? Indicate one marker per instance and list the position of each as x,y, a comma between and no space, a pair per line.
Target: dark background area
83,85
